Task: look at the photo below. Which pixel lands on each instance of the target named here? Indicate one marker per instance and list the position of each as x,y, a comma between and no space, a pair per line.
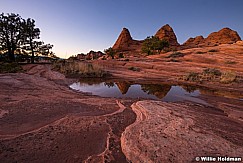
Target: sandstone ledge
169,132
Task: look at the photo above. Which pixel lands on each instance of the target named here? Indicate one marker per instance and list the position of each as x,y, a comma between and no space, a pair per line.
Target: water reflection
189,88
157,90
126,89
123,86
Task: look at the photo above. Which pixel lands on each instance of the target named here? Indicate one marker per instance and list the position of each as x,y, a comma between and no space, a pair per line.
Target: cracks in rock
117,122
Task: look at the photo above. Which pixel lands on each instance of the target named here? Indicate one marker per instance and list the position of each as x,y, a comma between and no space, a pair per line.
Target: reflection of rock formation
109,84
91,81
123,86
189,88
158,90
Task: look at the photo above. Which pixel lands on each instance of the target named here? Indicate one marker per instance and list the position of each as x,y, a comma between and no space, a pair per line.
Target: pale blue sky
75,26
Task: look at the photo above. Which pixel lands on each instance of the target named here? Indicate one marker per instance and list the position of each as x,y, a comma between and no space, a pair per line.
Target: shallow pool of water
164,92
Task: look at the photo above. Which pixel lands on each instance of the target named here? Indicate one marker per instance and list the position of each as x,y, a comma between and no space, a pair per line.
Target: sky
78,26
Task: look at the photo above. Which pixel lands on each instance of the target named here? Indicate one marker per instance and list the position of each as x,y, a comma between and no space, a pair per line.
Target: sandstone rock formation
167,33
239,43
223,36
125,41
194,42
90,56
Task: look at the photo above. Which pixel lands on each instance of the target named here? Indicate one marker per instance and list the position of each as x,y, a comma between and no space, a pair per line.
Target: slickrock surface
170,132
43,121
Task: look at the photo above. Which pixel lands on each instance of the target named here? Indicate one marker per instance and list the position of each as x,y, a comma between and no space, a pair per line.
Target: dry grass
10,67
230,62
211,74
192,76
228,77
175,55
83,69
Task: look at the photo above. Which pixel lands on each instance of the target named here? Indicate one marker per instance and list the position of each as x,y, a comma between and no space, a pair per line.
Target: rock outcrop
125,42
172,132
223,36
167,33
194,42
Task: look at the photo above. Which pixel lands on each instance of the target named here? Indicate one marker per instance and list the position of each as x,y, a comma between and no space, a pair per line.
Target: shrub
103,58
228,77
173,60
230,62
10,68
212,71
175,55
134,68
200,52
211,74
213,50
121,55
110,52
192,76
153,45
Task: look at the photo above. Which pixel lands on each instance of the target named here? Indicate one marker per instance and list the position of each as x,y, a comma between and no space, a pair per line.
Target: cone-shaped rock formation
167,33
123,40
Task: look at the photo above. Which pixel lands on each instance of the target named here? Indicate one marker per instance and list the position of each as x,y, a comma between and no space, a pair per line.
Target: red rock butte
125,42
223,36
167,33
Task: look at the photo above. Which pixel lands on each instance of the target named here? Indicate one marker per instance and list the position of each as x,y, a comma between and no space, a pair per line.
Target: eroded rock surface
167,33
223,36
125,42
194,42
43,121
170,132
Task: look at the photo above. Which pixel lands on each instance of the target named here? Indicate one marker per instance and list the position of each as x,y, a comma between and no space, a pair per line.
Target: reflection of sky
176,93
